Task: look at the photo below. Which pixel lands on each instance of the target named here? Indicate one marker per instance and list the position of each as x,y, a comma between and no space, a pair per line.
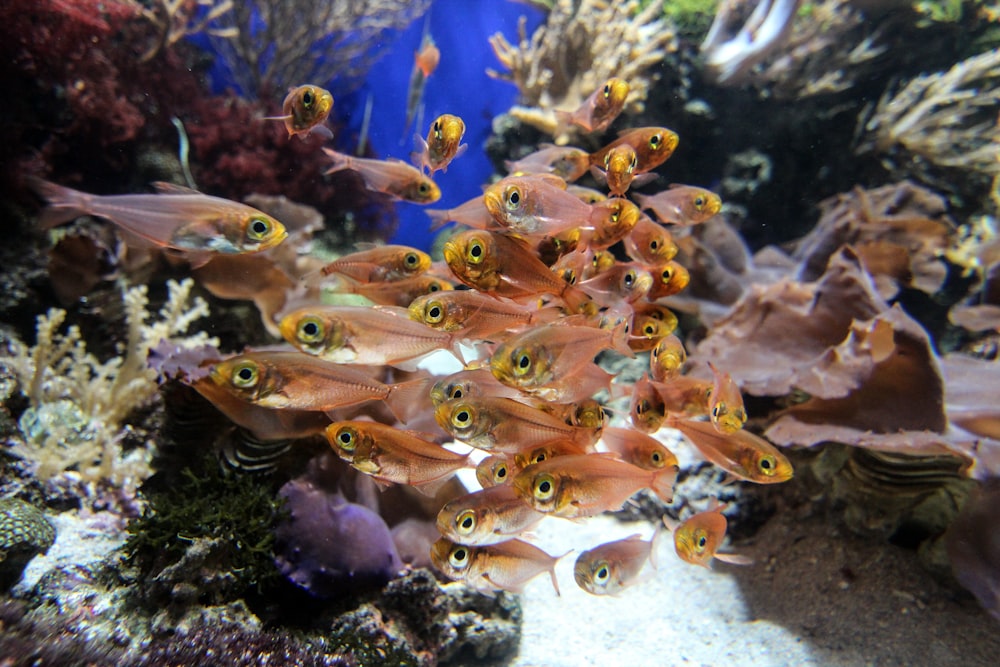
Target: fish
391,456
361,334
304,111
567,162
697,539
725,403
471,383
646,407
296,381
618,171
487,516
600,109
610,568
612,220
399,293
649,243
506,425
505,266
668,279
505,566
537,358
742,454
623,282
652,145
470,314
667,358
535,205
472,213
443,144
525,457
683,205
381,263
177,218
578,486
648,331
638,448
425,61
496,470
391,177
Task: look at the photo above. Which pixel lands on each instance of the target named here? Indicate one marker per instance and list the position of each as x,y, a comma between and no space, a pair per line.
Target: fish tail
65,204
663,483
438,218
340,161
406,399
575,299
619,339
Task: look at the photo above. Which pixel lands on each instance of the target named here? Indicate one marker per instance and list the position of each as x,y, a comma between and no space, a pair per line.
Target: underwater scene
500,332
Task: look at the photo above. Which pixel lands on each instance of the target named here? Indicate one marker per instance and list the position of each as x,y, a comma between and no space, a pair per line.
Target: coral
24,533
946,119
582,45
78,403
282,43
177,19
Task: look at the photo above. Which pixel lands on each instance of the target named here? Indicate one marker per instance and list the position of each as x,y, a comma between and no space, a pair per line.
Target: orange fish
425,61
471,383
361,334
585,485
619,170
566,162
178,218
525,457
648,331
683,205
400,293
292,380
473,315
496,470
638,448
505,566
698,538
505,266
610,568
613,220
304,110
667,358
391,177
646,407
652,145
381,263
742,454
428,57
535,205
600,109
725,403
649,243
443,144
668,279
389,455
472,213
487,516
624,282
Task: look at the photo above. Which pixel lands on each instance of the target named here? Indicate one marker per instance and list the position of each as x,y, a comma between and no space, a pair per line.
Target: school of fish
542,277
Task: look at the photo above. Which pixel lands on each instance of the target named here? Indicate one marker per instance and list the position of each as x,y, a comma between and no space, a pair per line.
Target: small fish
610,568
389,455
472,213
304,110
381,263
391,177
567,162
178,218
649,243
743,455
361,335
600,109
292,380
623,282
638,448
612,220
667,358
487,516
505,566
399,293
668,279
472,315
535,205
525,457
425,61
507,425
683,205
506,266
646,407
698,538
652,145
443,144
496,470
585,485
471,383
725,403
619,171
647,331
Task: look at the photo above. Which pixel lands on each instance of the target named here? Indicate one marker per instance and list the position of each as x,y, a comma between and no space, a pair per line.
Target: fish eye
513,198
434,287
475,252
699,201
702,540
649,329
656,458
656,352
462,416
347,439
544,487
465,522
655,141
607,161
423,188
538,457
522,362
456,392
411,259
500,473
459,558
310,330
718,409
434,312
607,90
258,229
629,278
245,375
436,128
602,573
569,276
634,163
768,465
308,98
642,407
667,274
653,245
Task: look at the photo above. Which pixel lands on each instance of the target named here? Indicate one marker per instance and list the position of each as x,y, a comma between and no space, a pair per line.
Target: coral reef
24,533
582,44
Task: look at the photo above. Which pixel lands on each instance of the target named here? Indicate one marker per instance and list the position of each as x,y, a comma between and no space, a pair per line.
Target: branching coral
948,119
176,19
78,403
583,43
280,43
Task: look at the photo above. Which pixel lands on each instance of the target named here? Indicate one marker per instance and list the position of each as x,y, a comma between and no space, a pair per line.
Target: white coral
79,403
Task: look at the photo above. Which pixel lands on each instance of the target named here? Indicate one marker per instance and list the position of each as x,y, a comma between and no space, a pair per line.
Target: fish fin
438,218
654,544
517,590
406,399
576,299
640,180
164,188
65,204
663,483
599,175
430,489
285,117
321,130
340,161
619,339
734,559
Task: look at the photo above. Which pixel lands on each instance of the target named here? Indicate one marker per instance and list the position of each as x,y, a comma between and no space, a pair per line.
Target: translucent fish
535,205
742,454
391,177
600,109
683,205
488,516
697,539
505,566
443,144
304,111
652,145
610,568
381,263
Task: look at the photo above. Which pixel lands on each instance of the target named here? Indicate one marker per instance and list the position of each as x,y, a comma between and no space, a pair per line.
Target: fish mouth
492,202
452,256
273,241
